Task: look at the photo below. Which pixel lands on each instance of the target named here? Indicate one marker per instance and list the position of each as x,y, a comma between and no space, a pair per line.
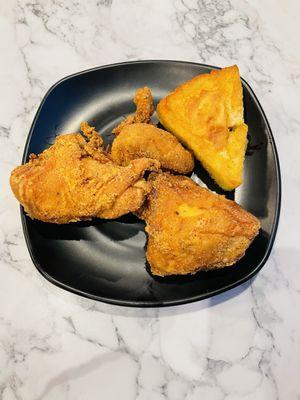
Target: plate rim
168,303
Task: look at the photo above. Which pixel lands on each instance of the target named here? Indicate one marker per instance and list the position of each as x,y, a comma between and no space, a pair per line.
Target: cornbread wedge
206,114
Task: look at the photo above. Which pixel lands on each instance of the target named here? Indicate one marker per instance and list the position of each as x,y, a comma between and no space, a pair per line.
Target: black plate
105,260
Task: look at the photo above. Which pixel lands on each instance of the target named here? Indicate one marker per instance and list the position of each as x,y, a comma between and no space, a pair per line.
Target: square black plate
105,260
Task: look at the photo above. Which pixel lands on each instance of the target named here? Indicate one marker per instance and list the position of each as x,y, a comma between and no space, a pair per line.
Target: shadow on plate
199,175
118,229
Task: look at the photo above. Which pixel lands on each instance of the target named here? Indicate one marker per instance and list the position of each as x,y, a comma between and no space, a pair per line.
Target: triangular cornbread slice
206,114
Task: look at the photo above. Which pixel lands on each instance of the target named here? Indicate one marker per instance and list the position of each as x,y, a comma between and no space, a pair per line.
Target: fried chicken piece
143,140
75,180
206,113
144,109
192,229
133,197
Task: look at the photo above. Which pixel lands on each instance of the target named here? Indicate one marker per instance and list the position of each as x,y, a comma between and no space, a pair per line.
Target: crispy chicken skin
144,109
206,113
190,228
75,180
144,140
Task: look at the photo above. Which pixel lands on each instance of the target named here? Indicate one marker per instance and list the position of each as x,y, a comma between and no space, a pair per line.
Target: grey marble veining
243,344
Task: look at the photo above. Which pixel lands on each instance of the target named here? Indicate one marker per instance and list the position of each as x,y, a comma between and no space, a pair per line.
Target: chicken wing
191,228
144,109
143,140
75,180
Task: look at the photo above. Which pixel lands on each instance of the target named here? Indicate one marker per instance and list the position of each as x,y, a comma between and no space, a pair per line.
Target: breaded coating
143,140
206,114
144,109
192,229
75,180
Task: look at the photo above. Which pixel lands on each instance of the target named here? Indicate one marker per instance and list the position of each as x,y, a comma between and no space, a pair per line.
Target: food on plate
206,114
144,140
144,109
191,228
75,179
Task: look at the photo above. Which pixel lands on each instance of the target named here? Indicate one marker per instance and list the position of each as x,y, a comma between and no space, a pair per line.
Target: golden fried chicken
191,228
144,109
143,140
206,113
75,180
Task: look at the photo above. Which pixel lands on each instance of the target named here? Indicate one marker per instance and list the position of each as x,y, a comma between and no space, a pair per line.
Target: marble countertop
244,344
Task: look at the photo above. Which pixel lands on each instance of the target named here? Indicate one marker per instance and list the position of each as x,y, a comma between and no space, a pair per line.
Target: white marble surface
244,344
